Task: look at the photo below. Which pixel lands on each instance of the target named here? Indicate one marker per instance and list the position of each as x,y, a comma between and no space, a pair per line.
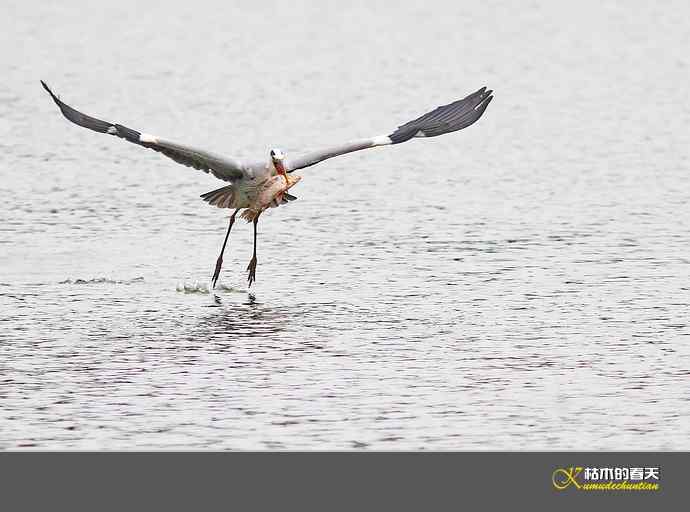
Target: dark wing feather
445,119
221,167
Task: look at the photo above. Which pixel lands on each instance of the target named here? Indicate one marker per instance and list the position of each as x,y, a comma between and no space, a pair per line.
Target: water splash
102,280
203,288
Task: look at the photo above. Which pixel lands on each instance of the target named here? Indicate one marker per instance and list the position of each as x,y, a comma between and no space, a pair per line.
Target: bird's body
270,193
257,185
244,192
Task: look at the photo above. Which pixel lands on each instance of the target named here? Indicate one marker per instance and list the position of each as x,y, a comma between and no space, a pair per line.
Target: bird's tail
223,197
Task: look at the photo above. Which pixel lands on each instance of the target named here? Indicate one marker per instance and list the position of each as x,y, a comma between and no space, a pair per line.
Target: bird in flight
257,185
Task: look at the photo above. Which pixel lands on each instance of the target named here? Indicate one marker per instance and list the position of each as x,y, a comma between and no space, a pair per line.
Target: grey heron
257,185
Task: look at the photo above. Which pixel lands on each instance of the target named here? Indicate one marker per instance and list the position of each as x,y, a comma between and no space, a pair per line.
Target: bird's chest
250,188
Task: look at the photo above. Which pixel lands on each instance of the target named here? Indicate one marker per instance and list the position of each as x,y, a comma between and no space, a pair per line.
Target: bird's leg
219,261
252,263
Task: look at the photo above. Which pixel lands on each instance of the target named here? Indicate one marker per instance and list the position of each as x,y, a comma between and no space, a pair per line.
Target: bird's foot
252,271
216,273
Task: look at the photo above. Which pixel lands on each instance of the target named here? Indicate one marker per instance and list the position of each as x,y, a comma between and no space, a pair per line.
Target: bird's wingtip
52,94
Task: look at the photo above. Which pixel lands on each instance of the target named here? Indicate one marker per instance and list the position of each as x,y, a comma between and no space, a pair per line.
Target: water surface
522,284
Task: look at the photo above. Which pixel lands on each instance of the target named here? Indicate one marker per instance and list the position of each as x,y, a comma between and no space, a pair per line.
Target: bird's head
277,157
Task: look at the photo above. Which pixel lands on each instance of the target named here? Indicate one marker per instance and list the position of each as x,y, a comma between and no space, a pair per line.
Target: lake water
521,284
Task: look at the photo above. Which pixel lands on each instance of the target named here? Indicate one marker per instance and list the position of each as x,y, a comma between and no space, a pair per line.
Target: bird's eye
273,153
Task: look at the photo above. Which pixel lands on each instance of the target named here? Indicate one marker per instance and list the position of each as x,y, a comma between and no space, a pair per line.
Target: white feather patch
381,140
145,137
112,130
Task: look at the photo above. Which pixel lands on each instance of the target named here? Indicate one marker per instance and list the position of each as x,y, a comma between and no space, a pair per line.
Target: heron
255,185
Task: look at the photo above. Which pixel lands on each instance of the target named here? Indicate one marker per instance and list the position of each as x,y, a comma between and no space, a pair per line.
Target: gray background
520,284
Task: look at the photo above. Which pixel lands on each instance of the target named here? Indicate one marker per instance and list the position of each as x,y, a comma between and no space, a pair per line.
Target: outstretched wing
221,167
445,119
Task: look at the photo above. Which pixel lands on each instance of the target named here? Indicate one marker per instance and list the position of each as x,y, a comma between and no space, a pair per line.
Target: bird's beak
280,168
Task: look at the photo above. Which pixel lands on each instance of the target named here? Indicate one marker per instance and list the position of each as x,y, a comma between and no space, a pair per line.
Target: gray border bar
324,481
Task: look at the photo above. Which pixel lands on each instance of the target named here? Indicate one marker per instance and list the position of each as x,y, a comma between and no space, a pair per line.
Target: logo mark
563,478
615,478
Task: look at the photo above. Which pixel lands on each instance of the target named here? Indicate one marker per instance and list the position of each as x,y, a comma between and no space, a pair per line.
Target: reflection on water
235,321
520,284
